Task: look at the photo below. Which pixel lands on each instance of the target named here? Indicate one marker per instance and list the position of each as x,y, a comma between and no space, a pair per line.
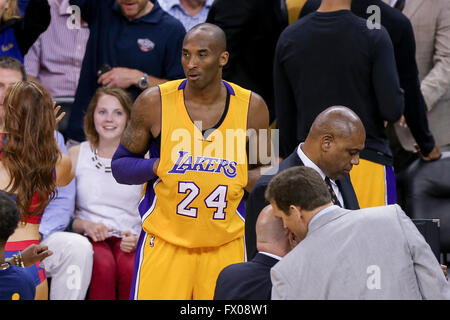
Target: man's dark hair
9,217
13,64
299,186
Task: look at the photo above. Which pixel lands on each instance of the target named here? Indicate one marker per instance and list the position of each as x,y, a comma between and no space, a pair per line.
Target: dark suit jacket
246,281
402,36
256,200
252,28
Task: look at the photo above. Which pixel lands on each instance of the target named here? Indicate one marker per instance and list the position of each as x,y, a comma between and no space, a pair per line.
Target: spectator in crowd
252,28
372,253
18,34
15,282
251,280
11,71
70,266
70,249
32,165
55,58
431,24
188,12
402,37
132,46
340,62
106,211
331,148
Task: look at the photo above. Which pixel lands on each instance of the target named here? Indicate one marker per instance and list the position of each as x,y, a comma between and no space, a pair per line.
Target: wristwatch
143,82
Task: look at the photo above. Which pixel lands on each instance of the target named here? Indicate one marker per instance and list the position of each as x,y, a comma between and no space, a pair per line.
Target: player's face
110,117
201,60
7,78
342,155
133,9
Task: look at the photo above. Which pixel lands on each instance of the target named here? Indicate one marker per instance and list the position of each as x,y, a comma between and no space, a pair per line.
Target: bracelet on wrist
18,260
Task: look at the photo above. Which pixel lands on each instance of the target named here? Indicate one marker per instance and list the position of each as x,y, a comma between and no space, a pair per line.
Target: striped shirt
55,58
174,8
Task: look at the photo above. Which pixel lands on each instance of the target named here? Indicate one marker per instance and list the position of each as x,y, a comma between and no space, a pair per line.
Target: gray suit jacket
373,253
431,24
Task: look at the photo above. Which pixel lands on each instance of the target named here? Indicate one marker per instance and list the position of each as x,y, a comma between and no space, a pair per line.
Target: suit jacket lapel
348,193
326,218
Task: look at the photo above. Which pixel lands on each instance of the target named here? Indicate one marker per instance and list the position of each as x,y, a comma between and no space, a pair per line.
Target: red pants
112,271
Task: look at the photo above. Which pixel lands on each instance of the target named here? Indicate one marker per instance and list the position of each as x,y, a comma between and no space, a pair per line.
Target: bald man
192,208
251,280
332,148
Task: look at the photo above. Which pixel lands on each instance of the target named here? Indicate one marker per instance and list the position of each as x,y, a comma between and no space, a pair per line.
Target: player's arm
128,163
259,151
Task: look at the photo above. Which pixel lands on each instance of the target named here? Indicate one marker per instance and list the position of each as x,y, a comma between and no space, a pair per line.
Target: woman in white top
106,211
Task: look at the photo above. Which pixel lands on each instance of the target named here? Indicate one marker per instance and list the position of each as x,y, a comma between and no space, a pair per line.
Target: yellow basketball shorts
164,271
374,184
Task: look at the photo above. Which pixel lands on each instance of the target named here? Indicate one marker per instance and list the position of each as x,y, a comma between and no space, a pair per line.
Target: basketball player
192,209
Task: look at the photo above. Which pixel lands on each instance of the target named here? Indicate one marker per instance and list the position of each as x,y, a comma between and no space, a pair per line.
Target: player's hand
120,77
35,253
129,242
96,231
435,154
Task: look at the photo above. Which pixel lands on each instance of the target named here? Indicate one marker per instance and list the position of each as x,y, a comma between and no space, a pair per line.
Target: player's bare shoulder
145,121
147,107
258,113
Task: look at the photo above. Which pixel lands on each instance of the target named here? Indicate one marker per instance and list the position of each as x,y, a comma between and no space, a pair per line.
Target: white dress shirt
308,163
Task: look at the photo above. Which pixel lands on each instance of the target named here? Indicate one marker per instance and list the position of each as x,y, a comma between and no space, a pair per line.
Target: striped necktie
334,198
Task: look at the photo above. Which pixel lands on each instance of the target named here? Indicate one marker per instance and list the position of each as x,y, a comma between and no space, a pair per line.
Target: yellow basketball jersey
197,201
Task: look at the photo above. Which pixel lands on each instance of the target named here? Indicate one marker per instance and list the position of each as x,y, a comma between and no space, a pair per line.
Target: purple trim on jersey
391,189
137,263
230,89
241,209
148,199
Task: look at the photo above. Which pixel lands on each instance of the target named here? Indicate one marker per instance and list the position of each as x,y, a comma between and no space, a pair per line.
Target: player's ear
223,59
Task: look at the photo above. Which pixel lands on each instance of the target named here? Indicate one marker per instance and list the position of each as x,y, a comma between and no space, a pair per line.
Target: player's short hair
13,64
9,217
299,186
89,126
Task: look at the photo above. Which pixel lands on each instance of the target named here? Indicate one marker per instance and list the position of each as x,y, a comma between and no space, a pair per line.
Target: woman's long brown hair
30,151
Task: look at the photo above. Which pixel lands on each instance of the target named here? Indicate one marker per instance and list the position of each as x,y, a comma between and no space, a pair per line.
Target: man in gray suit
373,253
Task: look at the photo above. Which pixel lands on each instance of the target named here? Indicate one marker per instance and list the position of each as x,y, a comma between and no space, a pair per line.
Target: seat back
427,194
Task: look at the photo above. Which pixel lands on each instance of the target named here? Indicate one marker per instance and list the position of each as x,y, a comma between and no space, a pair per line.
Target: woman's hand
56,110
96,231
129,242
